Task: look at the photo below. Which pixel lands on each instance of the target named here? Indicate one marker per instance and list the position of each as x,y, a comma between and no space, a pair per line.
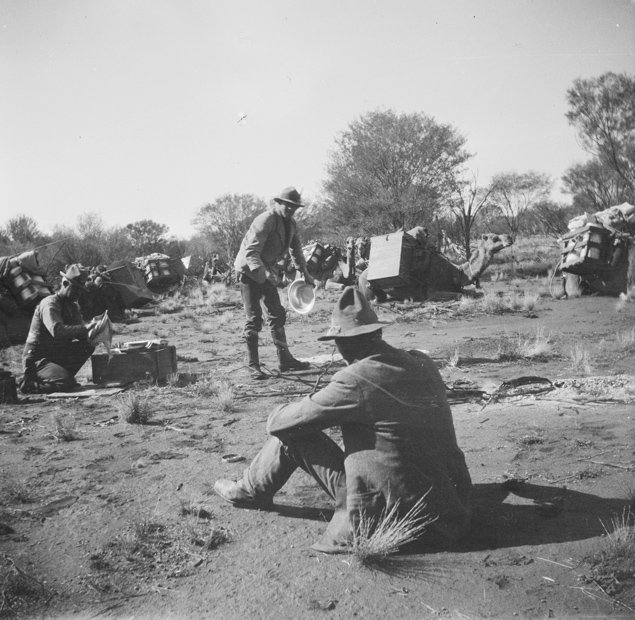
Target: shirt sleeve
295,250
54,323
340,402
257,235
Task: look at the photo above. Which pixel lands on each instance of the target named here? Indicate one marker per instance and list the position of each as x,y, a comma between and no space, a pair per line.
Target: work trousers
321,458
255,296
58,372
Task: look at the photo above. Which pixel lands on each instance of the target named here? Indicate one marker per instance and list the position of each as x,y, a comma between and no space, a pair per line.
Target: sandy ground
121,521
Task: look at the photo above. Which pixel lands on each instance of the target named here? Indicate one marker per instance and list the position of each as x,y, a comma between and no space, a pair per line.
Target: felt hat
290,196
76,274
352,316
301,296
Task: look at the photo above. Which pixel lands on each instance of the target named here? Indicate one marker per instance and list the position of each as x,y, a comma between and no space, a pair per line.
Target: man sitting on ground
58,343
397,430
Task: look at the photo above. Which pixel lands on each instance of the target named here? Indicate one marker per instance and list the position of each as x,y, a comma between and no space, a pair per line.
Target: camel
617,278
433,275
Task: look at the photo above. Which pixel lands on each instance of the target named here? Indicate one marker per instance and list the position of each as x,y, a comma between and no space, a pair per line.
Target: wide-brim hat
301,296
352,316
291,196
76,274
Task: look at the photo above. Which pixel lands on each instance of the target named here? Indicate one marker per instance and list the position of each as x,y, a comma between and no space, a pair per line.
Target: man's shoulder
50,300
264,219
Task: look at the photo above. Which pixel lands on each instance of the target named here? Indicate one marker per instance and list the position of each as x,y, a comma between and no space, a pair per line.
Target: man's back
402,442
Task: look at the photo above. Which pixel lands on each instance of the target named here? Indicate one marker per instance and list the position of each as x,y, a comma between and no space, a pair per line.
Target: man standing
398,434
268,239
58,342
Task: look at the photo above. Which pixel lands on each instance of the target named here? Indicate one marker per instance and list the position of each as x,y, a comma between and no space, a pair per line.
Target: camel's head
420,234
494,243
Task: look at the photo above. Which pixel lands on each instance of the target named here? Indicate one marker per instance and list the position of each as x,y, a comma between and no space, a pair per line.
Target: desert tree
315,224
226,220
514,194
602,110
23,230
147,236
465,202
550,218
89,242
389,170
595,186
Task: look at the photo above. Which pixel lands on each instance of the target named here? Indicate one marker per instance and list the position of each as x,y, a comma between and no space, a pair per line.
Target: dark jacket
399,438
55,319
266,242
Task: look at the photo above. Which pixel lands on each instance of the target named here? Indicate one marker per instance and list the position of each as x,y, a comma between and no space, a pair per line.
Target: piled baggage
596,242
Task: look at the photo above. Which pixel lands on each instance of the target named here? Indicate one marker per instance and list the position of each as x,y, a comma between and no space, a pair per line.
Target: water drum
151,271
22,286
40,285
165,270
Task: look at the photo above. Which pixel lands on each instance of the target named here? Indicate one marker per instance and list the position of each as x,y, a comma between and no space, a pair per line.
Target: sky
149,109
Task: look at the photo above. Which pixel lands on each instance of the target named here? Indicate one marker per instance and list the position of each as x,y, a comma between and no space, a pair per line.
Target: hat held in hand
290,196
352,316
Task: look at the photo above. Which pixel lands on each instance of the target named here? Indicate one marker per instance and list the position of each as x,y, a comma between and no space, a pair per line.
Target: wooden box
390,260
135,364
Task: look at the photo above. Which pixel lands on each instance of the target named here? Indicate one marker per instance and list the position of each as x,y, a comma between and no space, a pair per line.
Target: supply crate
390,260
130,365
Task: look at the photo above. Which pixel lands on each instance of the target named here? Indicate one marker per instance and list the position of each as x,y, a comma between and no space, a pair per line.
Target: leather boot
286,361
253,361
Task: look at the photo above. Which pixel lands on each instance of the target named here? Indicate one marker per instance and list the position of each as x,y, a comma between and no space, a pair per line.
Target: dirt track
99,524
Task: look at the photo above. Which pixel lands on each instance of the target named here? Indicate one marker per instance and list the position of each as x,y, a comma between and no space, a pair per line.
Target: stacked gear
594,251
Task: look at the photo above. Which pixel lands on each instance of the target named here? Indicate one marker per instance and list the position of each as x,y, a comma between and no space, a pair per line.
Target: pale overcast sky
131,108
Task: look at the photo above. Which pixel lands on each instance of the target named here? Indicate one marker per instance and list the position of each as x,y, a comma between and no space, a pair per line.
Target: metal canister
22,286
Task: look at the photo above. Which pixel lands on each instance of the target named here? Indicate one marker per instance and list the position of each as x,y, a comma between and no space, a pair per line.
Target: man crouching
397,430
58,343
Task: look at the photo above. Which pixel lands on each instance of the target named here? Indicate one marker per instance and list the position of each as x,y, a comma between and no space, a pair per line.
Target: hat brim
355,331
73,281
282,201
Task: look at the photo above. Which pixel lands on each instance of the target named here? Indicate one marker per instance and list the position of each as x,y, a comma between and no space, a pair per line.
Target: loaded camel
616,278
433,275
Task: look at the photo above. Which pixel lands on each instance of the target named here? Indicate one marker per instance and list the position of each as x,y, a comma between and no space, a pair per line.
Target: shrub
64,427
580,359
134,408
375,539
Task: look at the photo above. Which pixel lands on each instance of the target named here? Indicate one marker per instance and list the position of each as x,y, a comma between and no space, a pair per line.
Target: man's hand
308,278
29,384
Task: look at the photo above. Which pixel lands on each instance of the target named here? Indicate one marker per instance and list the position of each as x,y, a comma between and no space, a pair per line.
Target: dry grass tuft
195,508
207,535
580,359
537,348
64,427
226,396
171,305
620,536
377,538
134,408
18,491
492,303
625,340
454,358
227,318
17,588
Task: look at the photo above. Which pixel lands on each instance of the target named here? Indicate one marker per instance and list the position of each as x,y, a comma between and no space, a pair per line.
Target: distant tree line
389,171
